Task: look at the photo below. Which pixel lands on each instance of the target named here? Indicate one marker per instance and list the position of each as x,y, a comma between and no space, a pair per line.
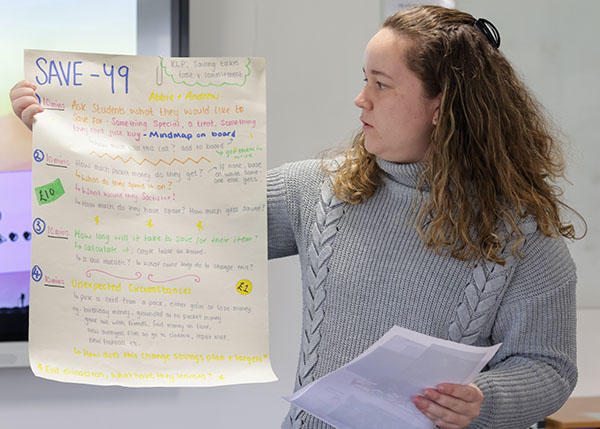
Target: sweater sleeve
282,241
534,371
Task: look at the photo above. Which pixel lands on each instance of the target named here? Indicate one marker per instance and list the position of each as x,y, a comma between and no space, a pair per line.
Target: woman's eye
377,83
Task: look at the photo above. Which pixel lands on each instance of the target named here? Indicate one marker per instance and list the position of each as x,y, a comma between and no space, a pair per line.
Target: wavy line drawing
138,274
209,84
125,161
194,276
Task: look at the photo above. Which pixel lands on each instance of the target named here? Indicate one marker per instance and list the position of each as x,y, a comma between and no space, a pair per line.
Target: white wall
314,57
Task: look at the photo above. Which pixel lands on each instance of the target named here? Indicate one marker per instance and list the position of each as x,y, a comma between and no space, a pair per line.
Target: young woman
442,217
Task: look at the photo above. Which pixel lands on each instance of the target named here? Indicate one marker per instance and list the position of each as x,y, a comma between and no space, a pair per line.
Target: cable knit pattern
368,270
485,291
329,210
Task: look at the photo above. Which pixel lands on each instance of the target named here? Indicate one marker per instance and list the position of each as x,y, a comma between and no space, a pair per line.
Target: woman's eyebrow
377,73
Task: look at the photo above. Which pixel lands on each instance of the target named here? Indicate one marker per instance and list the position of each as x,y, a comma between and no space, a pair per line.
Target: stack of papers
376,389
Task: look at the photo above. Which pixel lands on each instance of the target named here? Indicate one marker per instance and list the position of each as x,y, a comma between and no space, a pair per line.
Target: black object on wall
180,28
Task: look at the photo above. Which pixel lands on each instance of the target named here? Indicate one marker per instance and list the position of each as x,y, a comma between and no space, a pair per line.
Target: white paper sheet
375,390
149,260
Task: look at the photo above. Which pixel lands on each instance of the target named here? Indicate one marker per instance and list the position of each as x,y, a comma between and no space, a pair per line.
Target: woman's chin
393,156
372,148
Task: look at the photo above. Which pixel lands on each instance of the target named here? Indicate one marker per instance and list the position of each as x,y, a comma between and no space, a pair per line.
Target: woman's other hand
450,406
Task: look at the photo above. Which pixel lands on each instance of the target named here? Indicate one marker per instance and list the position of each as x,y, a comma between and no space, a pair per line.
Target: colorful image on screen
15,253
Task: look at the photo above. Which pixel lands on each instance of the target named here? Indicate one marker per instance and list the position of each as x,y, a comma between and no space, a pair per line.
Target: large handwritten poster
149,218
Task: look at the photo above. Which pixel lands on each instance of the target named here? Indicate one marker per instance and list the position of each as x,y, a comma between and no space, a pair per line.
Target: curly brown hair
494,156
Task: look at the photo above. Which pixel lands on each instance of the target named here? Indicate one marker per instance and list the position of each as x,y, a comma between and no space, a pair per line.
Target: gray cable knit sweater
364,269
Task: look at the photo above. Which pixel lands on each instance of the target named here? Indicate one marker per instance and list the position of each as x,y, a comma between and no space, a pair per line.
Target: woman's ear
437,102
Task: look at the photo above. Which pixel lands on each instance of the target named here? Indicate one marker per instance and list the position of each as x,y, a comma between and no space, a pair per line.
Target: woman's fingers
22,84
25,103
21,103
29,113
441,416
450,406
447,401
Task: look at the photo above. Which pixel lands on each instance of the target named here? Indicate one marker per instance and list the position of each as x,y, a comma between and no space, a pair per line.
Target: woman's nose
361,101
